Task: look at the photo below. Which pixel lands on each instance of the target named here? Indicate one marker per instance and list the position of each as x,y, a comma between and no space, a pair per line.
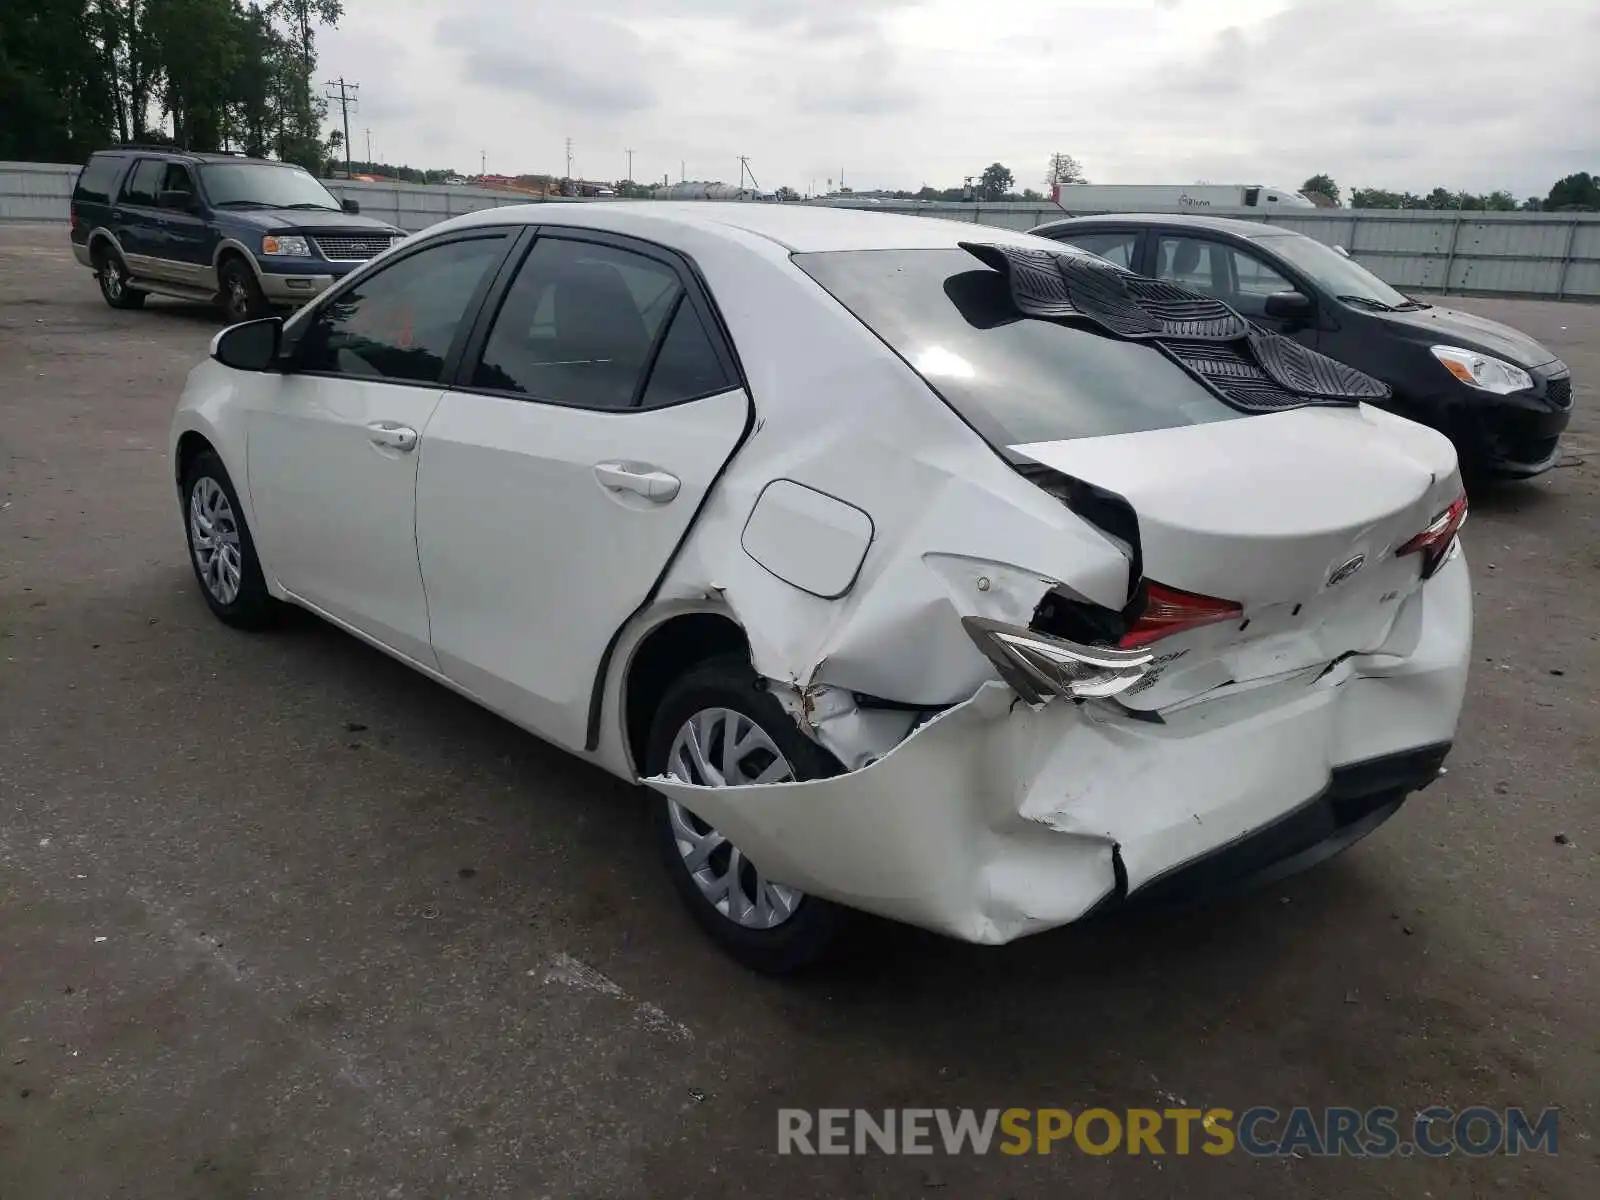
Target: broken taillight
1168,610
1437,542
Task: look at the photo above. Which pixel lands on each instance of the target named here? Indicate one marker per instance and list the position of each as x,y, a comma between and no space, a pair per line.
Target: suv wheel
718,727
112,274
242,298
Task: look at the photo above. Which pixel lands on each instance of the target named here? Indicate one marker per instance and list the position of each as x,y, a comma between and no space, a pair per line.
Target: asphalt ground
280,918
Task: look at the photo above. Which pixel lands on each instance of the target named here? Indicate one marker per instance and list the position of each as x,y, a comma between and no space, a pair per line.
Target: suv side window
400,322
1116,246
97,178
580,325
144,181
176,178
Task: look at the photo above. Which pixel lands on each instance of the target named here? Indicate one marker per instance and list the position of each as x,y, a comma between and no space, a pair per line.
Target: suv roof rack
178,151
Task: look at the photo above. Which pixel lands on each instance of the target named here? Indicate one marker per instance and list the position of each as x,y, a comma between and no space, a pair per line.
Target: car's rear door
133,217
595,407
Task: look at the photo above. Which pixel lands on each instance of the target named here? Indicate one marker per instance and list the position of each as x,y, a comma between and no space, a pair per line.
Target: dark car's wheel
221,549
717,727
242,297
112,274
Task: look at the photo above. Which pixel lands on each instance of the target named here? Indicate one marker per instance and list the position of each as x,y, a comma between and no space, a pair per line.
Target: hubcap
718,747
111,277
214,540
238,297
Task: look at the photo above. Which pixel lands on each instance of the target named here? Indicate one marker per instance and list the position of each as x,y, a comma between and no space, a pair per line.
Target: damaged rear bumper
996,819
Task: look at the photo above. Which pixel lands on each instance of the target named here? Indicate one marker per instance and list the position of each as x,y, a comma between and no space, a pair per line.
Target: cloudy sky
1405,94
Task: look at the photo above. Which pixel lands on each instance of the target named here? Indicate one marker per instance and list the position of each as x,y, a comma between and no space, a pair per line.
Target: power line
346,96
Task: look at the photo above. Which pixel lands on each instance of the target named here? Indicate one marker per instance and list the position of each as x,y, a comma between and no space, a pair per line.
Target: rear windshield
1015,379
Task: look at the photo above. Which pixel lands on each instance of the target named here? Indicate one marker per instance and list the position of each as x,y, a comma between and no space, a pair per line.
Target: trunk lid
1294,515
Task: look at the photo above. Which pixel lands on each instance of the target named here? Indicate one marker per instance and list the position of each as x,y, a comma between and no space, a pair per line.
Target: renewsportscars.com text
1433,1132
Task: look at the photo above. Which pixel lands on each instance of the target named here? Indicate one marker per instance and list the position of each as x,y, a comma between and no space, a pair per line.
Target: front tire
717,726
112,274
242,297
220,547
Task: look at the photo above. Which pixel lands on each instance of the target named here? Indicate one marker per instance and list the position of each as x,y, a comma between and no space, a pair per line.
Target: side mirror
1290,306
250,346
181,201
352,206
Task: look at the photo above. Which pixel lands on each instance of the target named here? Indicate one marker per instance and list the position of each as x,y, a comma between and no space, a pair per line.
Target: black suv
242,232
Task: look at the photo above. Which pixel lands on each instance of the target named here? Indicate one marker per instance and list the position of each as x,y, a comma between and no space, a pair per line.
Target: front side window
578,325
1113,247
144,181
265,185
1194,263
1015,379
176,178
400,322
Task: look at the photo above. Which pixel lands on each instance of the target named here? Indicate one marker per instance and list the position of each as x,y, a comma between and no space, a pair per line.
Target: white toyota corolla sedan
918,567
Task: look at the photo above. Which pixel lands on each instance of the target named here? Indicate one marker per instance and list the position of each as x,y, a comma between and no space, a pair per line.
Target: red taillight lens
1434,542
72,217
1168,611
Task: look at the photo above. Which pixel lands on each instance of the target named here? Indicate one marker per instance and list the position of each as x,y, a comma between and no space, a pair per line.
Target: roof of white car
794,227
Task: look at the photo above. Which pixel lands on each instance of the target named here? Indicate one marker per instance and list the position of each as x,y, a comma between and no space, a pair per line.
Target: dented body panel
994,819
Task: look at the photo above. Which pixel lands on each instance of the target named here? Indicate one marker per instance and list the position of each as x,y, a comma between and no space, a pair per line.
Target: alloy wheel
719,747
214,540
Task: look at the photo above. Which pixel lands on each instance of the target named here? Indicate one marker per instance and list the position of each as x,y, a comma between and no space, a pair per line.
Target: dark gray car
1501,397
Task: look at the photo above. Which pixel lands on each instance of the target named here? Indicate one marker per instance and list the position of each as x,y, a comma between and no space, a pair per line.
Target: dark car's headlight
1483,372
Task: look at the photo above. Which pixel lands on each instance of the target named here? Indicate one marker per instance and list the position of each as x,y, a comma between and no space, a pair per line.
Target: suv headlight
279,243
1483,372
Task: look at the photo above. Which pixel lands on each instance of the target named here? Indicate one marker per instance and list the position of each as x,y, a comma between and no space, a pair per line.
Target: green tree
1580,192
54,97
1500,201
995,182
1323,185
197,45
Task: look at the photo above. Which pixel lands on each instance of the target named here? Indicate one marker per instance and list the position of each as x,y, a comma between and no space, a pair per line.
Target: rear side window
1015,379
97,178
578,325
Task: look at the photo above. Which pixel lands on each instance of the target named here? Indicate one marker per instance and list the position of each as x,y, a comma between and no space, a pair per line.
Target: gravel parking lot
280,918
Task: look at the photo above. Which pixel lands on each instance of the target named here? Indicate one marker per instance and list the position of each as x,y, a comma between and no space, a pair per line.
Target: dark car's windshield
1332,271
1016,379
266,185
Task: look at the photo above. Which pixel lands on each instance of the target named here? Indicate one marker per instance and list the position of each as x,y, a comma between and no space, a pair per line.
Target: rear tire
241,295
112,274
760,923
221,550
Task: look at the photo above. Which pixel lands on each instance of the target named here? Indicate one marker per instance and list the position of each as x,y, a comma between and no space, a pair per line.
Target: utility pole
346,96
683,171
629,153
483,163
368,132
744,169
569,158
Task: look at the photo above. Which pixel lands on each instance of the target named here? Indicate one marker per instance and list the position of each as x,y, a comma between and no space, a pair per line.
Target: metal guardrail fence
1553,256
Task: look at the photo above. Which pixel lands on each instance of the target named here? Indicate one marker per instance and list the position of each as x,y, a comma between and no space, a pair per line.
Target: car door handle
395,437
642,479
